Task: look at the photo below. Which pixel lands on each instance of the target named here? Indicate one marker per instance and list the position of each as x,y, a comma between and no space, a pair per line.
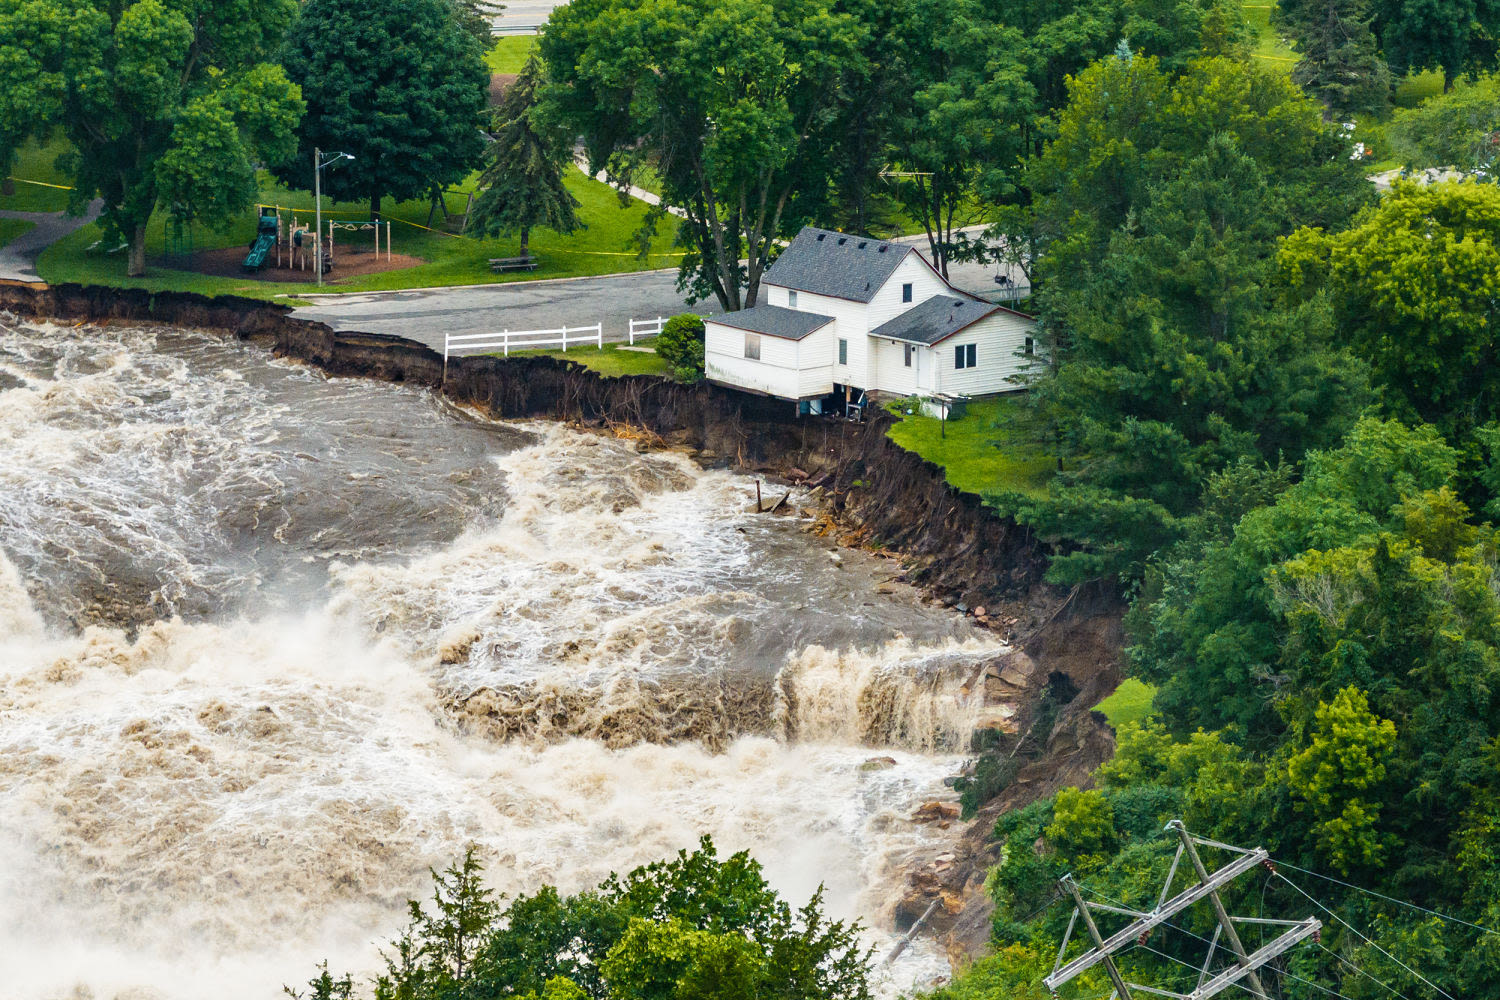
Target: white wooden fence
523,340
644,328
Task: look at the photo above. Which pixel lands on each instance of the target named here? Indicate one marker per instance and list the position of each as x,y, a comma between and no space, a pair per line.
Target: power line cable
1388,899
1362,972
1362,937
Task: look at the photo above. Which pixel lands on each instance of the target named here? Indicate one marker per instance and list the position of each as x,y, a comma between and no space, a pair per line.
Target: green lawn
611,361
601,248
509,53
37,163
980,453
1131,702
1269,46
11,228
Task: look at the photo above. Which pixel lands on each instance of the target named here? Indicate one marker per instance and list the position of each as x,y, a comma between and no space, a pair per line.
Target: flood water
271,644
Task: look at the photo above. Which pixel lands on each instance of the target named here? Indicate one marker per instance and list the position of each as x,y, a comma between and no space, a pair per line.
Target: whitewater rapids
272,644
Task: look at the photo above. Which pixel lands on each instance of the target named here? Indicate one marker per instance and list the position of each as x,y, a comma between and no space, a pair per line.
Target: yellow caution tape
60,187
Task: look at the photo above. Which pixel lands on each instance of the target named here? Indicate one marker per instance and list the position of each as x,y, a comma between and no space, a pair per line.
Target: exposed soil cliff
953,546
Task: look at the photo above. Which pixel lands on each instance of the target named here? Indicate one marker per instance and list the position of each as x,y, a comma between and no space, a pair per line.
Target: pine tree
522,184
1340,64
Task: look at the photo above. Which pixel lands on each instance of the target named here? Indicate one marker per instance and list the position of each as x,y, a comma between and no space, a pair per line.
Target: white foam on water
610,664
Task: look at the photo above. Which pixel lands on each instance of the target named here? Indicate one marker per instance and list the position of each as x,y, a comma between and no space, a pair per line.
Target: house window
843,351
906,292
908,355
966,356
752,346
791,300
1030,347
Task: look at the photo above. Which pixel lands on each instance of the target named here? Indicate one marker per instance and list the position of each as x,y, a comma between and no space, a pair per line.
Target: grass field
36,162
509,53
1131,702
980,453
601,248
612,360
11,228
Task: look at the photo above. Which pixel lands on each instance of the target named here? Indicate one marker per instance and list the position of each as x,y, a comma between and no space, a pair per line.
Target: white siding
815,356
893,376
849,322
887,304
779,372
999,341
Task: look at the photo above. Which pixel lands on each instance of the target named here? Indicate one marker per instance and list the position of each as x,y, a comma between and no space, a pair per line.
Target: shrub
681,346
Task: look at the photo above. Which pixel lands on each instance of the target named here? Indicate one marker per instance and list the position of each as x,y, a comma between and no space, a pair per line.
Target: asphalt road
525,16
428,315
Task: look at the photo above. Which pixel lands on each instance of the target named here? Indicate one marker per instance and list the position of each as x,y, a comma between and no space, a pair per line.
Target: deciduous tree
164,101
736,104
397,83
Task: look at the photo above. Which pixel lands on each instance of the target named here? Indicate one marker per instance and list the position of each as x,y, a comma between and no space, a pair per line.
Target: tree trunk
137,267
525,241
7,187
375,206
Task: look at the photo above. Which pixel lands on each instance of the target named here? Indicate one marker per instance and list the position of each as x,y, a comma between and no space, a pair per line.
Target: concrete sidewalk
18,258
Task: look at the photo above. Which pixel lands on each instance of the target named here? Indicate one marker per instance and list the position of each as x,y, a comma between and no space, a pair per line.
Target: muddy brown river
271,644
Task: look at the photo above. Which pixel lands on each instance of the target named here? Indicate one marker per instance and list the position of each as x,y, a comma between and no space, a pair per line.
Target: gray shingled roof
938,318
836,264
774,321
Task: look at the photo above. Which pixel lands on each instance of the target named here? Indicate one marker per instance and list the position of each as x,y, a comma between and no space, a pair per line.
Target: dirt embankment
880,494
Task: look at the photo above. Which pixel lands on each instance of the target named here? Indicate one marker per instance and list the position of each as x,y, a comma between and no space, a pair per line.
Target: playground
288,247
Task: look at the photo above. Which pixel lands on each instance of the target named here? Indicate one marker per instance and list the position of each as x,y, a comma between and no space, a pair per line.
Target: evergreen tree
1340,65
1456,36
397,83
477,17
522,185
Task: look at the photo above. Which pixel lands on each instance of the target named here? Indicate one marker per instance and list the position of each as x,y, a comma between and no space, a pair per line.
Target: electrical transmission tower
1244,965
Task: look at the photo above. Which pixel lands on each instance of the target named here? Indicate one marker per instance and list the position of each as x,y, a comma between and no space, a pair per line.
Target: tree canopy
737,103
165,102
399,84
694,927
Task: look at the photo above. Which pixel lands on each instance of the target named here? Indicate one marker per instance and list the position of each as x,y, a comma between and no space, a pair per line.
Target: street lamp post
318,165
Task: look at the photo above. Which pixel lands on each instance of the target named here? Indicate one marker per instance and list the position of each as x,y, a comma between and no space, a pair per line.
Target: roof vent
883,248
863,244
843,240
821,237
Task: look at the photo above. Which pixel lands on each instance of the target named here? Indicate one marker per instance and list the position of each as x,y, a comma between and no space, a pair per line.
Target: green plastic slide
258,250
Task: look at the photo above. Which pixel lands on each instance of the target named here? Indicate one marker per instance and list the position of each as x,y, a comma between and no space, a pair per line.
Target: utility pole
1225,923
318,166
318,214
1207,889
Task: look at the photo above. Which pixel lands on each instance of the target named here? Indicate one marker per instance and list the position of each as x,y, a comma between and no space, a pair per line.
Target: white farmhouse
845,315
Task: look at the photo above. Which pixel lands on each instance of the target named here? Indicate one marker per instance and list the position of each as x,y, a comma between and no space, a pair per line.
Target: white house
841,315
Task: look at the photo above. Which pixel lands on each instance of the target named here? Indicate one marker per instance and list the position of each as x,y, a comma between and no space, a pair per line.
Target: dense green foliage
1457,129
522,184
399,84
166,102
681,344
696,927
1174,355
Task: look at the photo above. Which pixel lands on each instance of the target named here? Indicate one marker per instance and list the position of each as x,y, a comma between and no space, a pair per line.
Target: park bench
501,264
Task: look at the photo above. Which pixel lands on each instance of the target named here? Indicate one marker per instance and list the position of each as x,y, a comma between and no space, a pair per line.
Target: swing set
295,243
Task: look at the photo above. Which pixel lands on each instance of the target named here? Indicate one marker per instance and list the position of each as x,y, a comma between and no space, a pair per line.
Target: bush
681,346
